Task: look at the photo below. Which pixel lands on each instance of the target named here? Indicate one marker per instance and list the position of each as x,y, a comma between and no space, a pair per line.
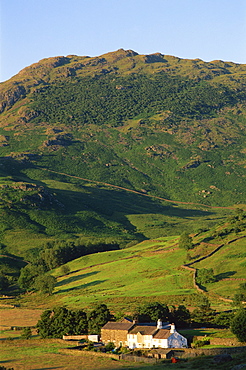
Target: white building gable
147,336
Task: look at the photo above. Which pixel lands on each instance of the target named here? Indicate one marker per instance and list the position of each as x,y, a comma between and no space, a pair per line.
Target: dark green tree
240,295
44,325
45,283
152,312
61,321
28,275
109,347
205,276
65,269
185,241
97,318
26,333
238,325
4,282
203,314
81,323
51,257
224,319
180,316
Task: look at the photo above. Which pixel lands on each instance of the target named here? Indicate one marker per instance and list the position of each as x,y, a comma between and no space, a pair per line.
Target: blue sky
35,29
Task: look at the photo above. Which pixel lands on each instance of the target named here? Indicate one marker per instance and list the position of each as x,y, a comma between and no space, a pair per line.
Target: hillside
119,148
153,270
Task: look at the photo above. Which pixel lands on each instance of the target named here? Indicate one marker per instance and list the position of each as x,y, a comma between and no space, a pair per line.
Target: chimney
159,324
172,329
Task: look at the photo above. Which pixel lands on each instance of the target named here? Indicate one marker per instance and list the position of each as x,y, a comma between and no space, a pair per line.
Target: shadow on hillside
225,275
82,286
116,205
75,278
95,207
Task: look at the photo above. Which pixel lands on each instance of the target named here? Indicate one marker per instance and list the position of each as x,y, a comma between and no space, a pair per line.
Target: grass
150,269
209,332
146,272
18,317
228,265
37,354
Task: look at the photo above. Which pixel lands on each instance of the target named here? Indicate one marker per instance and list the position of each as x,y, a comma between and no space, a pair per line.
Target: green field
37,354
147,272
228,265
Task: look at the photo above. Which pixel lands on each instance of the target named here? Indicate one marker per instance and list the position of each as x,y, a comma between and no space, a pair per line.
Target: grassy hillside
119,148
170,127
151,271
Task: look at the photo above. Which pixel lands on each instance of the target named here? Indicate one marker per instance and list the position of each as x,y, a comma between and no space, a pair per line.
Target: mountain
120,147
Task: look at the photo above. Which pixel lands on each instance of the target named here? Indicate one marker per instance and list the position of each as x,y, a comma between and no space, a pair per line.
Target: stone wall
132,358
191,352
224,342
74,337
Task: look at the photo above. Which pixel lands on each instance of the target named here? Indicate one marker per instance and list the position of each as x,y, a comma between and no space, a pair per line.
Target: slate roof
143,329
118,325
162,334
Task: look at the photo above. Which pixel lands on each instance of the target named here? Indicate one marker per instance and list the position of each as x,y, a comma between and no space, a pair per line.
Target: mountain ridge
154,124
40,71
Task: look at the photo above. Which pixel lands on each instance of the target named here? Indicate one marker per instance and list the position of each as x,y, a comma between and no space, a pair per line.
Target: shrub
238,325
201,342
185,241
26,333
109,347
205,276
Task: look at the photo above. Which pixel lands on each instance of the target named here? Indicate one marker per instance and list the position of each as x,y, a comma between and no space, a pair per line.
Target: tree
205,276
44,325
28,275
224,319
204,314
238,325
26,333
180,316
240,296
65,269
4,282
81,323
45,283
97,318
61,321
185,241
152,312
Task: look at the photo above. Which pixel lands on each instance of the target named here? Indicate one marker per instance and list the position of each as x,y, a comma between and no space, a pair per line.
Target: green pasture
146,271
229,265
36,353
208,332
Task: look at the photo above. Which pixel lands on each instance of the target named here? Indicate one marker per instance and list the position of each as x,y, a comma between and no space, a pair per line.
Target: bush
185,241
224,319
109,347
205,276
201,342
45,283
238,325
26,333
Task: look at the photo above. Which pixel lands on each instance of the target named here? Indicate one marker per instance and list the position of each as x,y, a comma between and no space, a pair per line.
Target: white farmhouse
146,336
137,335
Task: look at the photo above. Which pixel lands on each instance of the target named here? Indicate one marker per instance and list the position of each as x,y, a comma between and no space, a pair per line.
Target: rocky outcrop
10,96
